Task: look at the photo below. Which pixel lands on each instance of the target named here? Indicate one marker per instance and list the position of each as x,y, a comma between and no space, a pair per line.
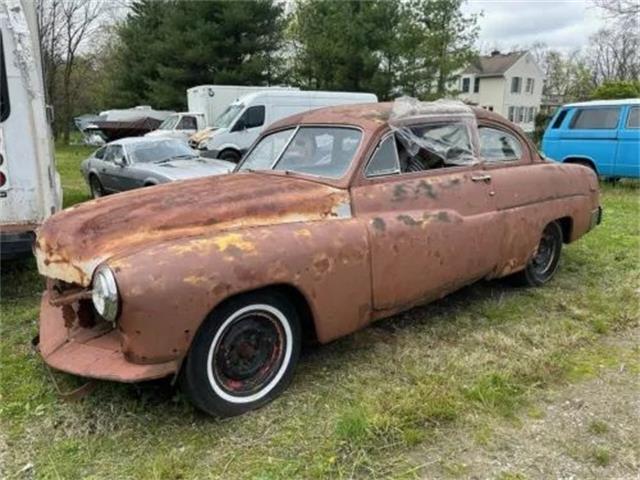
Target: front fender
168,289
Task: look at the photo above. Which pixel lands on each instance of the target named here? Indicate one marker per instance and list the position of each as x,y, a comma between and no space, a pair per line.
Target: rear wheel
544,264
244,355
96,187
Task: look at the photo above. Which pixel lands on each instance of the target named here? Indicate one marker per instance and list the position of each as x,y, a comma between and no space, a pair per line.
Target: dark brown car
335,218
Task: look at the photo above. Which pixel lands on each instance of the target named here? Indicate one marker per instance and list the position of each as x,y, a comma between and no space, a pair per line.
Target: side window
438,145
384,160
633,121
559,119
114,153
5,108
251,118
498,145
595,118
99,153
188,123
516,84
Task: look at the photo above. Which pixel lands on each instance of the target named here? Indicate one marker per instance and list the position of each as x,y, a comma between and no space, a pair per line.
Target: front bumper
89,352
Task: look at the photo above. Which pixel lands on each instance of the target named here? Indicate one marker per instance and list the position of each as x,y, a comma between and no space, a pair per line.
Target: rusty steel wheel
544,264
244,355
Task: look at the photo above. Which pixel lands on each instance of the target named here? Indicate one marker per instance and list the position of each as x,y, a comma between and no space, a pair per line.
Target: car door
628,155
592,133
431,231
520,189
112,170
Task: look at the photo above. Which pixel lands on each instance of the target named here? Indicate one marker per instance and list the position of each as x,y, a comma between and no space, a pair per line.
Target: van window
595,118
634,118
5,108
560,118
251,118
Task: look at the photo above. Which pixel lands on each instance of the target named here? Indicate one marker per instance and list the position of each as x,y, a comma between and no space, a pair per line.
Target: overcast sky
562,24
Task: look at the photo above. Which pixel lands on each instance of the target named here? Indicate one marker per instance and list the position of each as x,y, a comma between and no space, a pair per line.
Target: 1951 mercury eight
335,218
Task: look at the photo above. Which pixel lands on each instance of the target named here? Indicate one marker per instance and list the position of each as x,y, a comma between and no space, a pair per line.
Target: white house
507,83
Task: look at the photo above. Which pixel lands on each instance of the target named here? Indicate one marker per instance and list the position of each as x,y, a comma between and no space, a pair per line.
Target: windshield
162,150
320,151
227,117
169,123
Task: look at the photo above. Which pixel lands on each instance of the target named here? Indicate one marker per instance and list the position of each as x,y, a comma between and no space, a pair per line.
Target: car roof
140,140
368,116
273,93
604,103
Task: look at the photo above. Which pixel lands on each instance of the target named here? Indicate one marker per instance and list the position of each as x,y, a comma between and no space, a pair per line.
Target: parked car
179,125
243,120
335,218
141,162
603,135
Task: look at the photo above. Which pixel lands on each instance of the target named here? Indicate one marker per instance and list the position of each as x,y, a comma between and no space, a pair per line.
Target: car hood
72,243
182,169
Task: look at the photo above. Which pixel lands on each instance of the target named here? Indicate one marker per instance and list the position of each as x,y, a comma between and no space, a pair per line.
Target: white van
29,184
212,100
243,121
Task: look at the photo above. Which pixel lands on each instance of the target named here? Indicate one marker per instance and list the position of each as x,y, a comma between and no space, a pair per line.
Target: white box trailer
212,100
29,184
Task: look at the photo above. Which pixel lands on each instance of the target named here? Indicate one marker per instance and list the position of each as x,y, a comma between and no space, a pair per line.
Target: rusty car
335,218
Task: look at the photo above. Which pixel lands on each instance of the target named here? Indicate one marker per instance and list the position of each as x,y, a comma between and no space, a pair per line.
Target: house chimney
495,52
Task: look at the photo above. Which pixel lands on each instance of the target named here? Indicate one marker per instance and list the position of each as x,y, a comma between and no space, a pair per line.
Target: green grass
359,407
68,159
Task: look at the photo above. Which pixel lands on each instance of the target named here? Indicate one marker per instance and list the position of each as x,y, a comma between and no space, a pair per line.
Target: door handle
481,178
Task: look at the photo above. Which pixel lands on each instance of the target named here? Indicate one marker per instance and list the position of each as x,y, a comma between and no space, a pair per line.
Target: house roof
493,65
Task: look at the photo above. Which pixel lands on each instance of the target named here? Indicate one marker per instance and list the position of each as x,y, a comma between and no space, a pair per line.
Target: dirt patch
585,430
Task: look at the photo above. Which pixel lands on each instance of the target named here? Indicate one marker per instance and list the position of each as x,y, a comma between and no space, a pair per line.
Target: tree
612,90
166,46
414,47
65,28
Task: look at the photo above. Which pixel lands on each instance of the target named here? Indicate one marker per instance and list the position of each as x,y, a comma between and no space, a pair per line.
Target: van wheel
244,354
544,264
96,187
230,156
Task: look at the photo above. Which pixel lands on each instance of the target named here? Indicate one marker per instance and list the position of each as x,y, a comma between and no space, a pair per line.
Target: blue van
603,135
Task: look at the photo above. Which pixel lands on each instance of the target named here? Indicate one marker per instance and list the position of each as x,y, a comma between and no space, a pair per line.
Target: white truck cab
244,119
180,125
30,188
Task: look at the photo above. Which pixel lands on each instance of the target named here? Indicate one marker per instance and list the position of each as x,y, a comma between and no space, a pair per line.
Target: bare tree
614,52
66,28
621,9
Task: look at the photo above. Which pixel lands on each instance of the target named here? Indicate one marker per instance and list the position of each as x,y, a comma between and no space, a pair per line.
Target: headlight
105,293
203,145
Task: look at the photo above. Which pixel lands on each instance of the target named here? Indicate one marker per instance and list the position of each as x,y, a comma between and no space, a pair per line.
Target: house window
530,85
516,84
512,114
476,85
521,112
465,85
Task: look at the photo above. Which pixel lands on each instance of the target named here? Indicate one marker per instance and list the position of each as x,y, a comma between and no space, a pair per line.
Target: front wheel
96,187
544,264
244,354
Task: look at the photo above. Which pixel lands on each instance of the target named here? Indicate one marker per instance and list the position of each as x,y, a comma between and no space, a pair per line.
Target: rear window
560,118
4,92
595,118
634,118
